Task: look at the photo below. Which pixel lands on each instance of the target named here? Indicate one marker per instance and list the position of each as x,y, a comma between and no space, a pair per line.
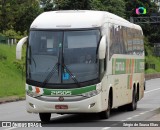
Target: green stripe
128,86
30,88
75,91
139,65
119,66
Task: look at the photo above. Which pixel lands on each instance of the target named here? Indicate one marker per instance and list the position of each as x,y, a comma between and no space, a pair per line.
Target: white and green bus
82,62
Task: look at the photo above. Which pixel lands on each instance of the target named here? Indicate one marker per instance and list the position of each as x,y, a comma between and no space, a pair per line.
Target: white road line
129,118
142,113
106,128
135,116
153,109
11,128
152,90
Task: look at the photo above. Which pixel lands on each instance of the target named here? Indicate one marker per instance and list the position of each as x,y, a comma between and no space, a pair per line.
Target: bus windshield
61,57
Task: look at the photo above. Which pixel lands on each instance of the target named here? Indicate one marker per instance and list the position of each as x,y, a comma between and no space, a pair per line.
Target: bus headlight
94,92
90,94
99,87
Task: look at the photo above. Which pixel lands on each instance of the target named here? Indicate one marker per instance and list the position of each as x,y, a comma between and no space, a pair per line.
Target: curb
11,99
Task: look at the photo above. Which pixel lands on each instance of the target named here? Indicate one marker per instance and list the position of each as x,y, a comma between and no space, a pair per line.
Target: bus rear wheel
45,117
133,105
106,114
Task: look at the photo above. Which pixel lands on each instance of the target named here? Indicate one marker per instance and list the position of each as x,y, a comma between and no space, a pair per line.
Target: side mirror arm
102,48
19,48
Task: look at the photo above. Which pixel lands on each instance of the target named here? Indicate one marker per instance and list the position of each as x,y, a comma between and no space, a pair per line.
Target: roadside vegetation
152,63
12,83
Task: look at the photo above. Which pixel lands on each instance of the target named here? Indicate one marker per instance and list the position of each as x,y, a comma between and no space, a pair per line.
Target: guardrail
152,76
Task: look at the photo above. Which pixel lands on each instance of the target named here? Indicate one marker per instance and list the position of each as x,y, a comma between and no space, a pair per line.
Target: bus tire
45,117
106,114
133,105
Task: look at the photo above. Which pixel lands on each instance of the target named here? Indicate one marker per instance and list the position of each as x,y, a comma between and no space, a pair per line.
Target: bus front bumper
88,105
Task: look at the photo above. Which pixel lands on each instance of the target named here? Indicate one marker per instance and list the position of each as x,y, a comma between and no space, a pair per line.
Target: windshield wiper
71,74
56,67
50,74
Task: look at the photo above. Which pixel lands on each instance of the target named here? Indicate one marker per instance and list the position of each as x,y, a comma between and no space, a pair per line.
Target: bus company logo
120,66
61,92
61,98
141,66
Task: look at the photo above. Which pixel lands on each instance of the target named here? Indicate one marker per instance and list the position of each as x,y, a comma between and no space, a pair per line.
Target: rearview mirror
102,48
19,48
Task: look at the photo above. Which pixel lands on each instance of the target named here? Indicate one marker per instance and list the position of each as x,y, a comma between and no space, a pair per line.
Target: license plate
61,106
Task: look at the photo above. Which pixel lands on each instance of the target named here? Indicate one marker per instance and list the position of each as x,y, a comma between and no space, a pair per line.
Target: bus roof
68,19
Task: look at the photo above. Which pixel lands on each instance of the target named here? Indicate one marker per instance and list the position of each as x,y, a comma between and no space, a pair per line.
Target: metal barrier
152,76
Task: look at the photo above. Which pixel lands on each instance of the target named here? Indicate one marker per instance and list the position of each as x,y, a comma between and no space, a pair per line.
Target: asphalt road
148,107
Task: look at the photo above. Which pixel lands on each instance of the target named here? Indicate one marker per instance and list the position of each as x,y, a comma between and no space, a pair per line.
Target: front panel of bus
63,68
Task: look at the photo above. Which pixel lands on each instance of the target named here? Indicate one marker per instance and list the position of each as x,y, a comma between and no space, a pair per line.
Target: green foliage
18,14
150,58
150,71
13,34
11,80
114,6
72,4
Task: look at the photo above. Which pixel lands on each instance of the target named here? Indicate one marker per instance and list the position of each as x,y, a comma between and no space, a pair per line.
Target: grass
151,59
11,82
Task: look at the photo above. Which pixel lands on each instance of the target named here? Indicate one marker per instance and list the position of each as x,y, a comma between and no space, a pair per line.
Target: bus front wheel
45,117
106,114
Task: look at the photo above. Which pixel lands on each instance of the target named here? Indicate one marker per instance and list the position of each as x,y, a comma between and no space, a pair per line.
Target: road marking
135,116
106,128
11,128
152,90
129,118
143,112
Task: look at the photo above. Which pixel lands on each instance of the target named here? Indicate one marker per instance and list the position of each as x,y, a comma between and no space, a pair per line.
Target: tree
4,8
31,9
113,6
18,14
68,5
47,5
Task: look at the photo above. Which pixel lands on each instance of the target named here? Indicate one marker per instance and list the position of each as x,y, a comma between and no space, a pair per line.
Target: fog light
32,105
91,105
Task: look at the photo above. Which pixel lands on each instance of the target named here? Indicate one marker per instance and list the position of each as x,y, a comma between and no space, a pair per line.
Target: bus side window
129,41
117,42
124,36
134,41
